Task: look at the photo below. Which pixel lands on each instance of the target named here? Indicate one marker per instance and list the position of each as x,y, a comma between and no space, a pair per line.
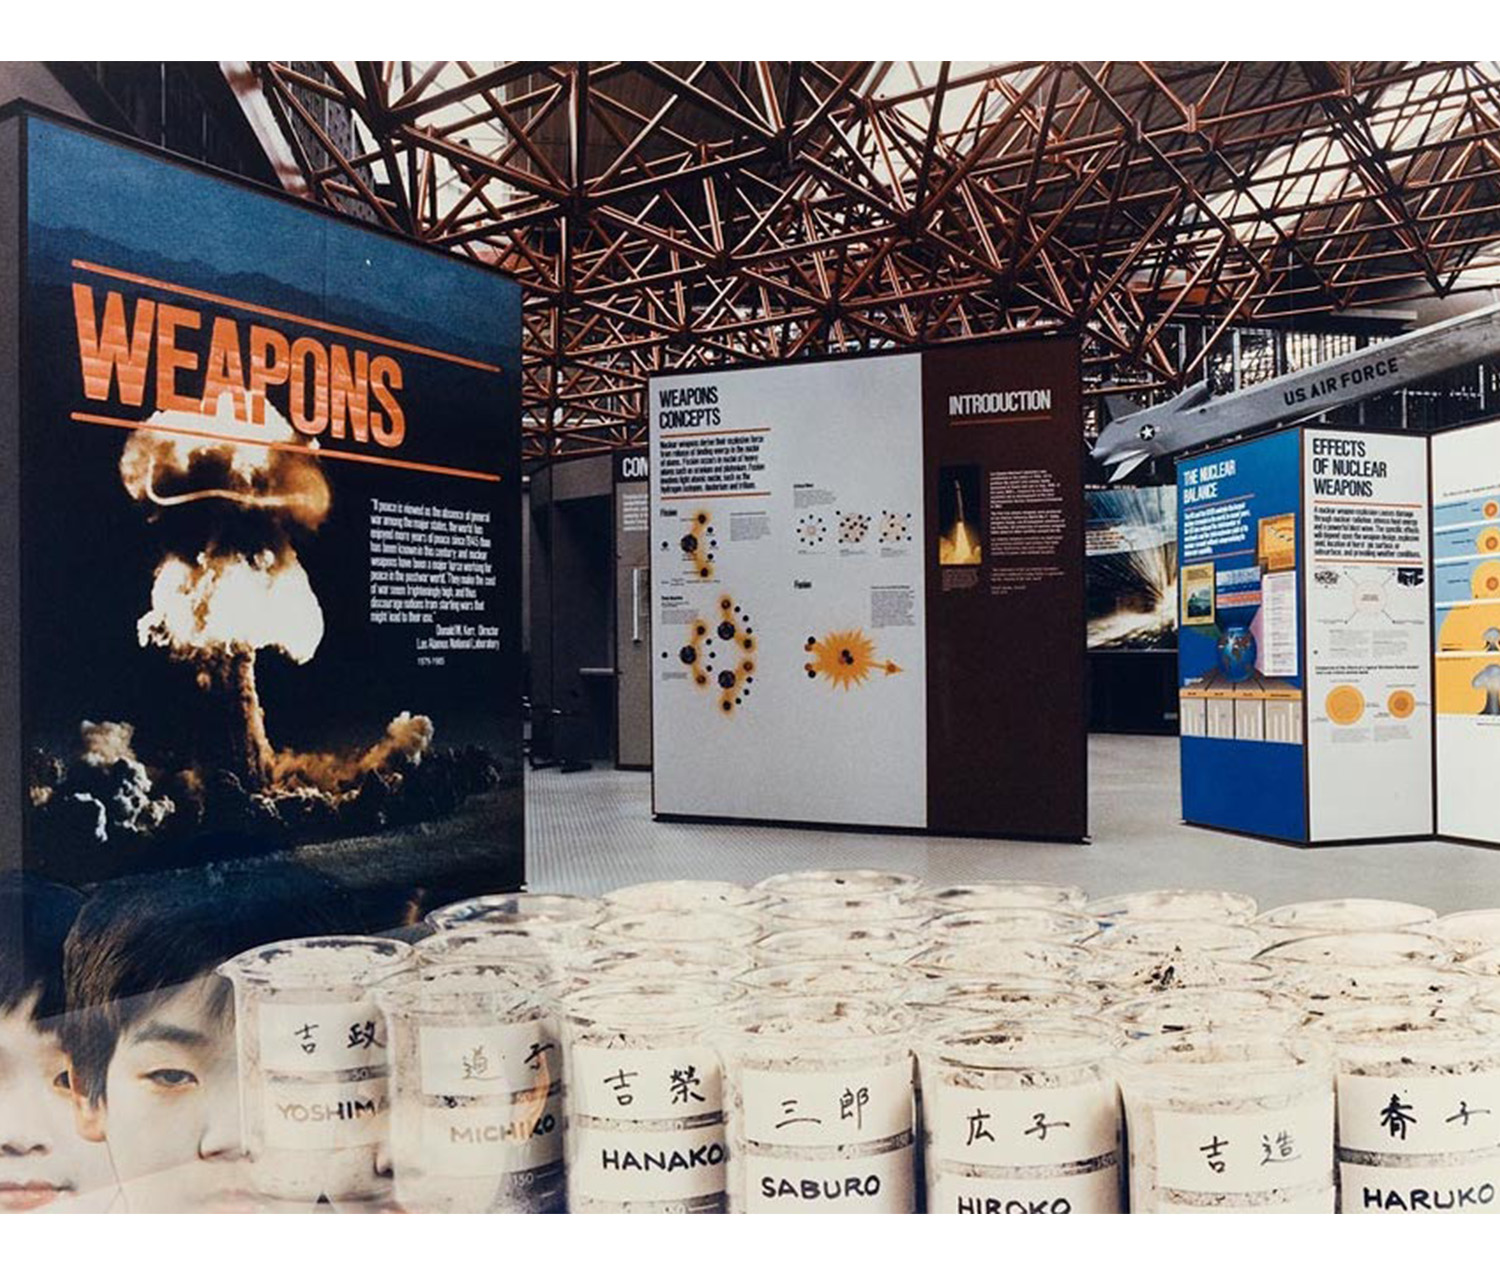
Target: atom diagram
895,528
720,655
811,530
853,528
845,659
698,544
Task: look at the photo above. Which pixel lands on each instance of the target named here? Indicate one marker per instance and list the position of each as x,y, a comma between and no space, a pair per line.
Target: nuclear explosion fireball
214,606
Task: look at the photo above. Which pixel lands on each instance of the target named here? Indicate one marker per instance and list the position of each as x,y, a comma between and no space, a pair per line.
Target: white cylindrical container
1175,905
685,896
680,929
845,912
1208,1009
313,1064
820,1107
1418,1111
1328,916
840,882
1229,1122
829,978
973,896
1216,939
999,959
533,912
877,943
1468,933
645,1128
983,925
1020,1118
476,1093
1354,948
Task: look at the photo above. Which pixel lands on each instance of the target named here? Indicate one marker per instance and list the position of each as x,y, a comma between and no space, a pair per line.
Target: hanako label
883,1183
481,1059
335,1036
637,1165
646,1084
325,1116
1470,1188
827,1108
1097,1191
1284,1148
1419,1115
1023,1127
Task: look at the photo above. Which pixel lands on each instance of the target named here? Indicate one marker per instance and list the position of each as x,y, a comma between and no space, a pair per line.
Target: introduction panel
867,592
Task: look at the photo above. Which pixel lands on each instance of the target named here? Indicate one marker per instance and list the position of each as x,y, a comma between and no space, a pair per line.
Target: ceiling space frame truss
675,215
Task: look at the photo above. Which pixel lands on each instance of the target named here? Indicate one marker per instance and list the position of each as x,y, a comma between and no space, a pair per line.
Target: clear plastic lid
658,962
970,896
1229,1065
518,909
1127,974
337,962
641,1009
1328,916
829,978
846,911
1412,1039
1207,1009
685,896
1321,987
1208,938
1361,947
983,924
1022,1047
1000,959
1175,905
1485,964
680,929
855,943
483,945
815,1029
1468,933
462,991
833,882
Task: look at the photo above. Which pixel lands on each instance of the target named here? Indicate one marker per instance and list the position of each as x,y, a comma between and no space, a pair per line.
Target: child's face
170,1113
44,1163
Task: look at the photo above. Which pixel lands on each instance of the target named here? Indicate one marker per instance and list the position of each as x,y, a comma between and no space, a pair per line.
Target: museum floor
593,831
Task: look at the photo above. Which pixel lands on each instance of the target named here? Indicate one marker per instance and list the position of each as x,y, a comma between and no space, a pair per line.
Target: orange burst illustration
846,659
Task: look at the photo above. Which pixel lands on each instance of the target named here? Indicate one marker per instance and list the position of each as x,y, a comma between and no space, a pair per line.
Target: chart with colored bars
1466,596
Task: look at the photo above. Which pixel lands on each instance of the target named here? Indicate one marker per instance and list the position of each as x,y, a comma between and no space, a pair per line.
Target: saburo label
869,1184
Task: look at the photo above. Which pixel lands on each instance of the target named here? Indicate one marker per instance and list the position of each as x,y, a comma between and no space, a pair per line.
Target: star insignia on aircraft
1147,433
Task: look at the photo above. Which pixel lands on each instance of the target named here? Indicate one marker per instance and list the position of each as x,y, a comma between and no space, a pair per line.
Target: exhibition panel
886,633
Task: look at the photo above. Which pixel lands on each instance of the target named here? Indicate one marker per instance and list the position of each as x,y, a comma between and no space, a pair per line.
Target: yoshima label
1283,1149
1419,1115
646,1084
304,1040
883,1183
830,1108
634,1166
1022,1127
1094,1192
1473,1188
479,1141
482,1060
321,1117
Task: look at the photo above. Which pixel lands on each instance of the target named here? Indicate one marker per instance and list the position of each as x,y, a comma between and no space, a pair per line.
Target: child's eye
171,1078
60,1082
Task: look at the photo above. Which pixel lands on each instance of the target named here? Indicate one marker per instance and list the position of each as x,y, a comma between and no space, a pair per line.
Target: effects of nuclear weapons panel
867,592
270,543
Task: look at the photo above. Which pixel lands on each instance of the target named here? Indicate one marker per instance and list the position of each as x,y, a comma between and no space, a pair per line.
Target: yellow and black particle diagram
853,527
845,659
698,544
720,655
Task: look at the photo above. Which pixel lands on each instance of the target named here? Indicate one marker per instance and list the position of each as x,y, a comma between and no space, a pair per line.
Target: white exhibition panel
808,475
1466,566
1368,639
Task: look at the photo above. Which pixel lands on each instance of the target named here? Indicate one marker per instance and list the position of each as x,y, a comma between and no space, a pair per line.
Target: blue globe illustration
1237,653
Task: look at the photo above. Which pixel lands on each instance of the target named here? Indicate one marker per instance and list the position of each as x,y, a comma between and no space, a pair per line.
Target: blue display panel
1239,645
